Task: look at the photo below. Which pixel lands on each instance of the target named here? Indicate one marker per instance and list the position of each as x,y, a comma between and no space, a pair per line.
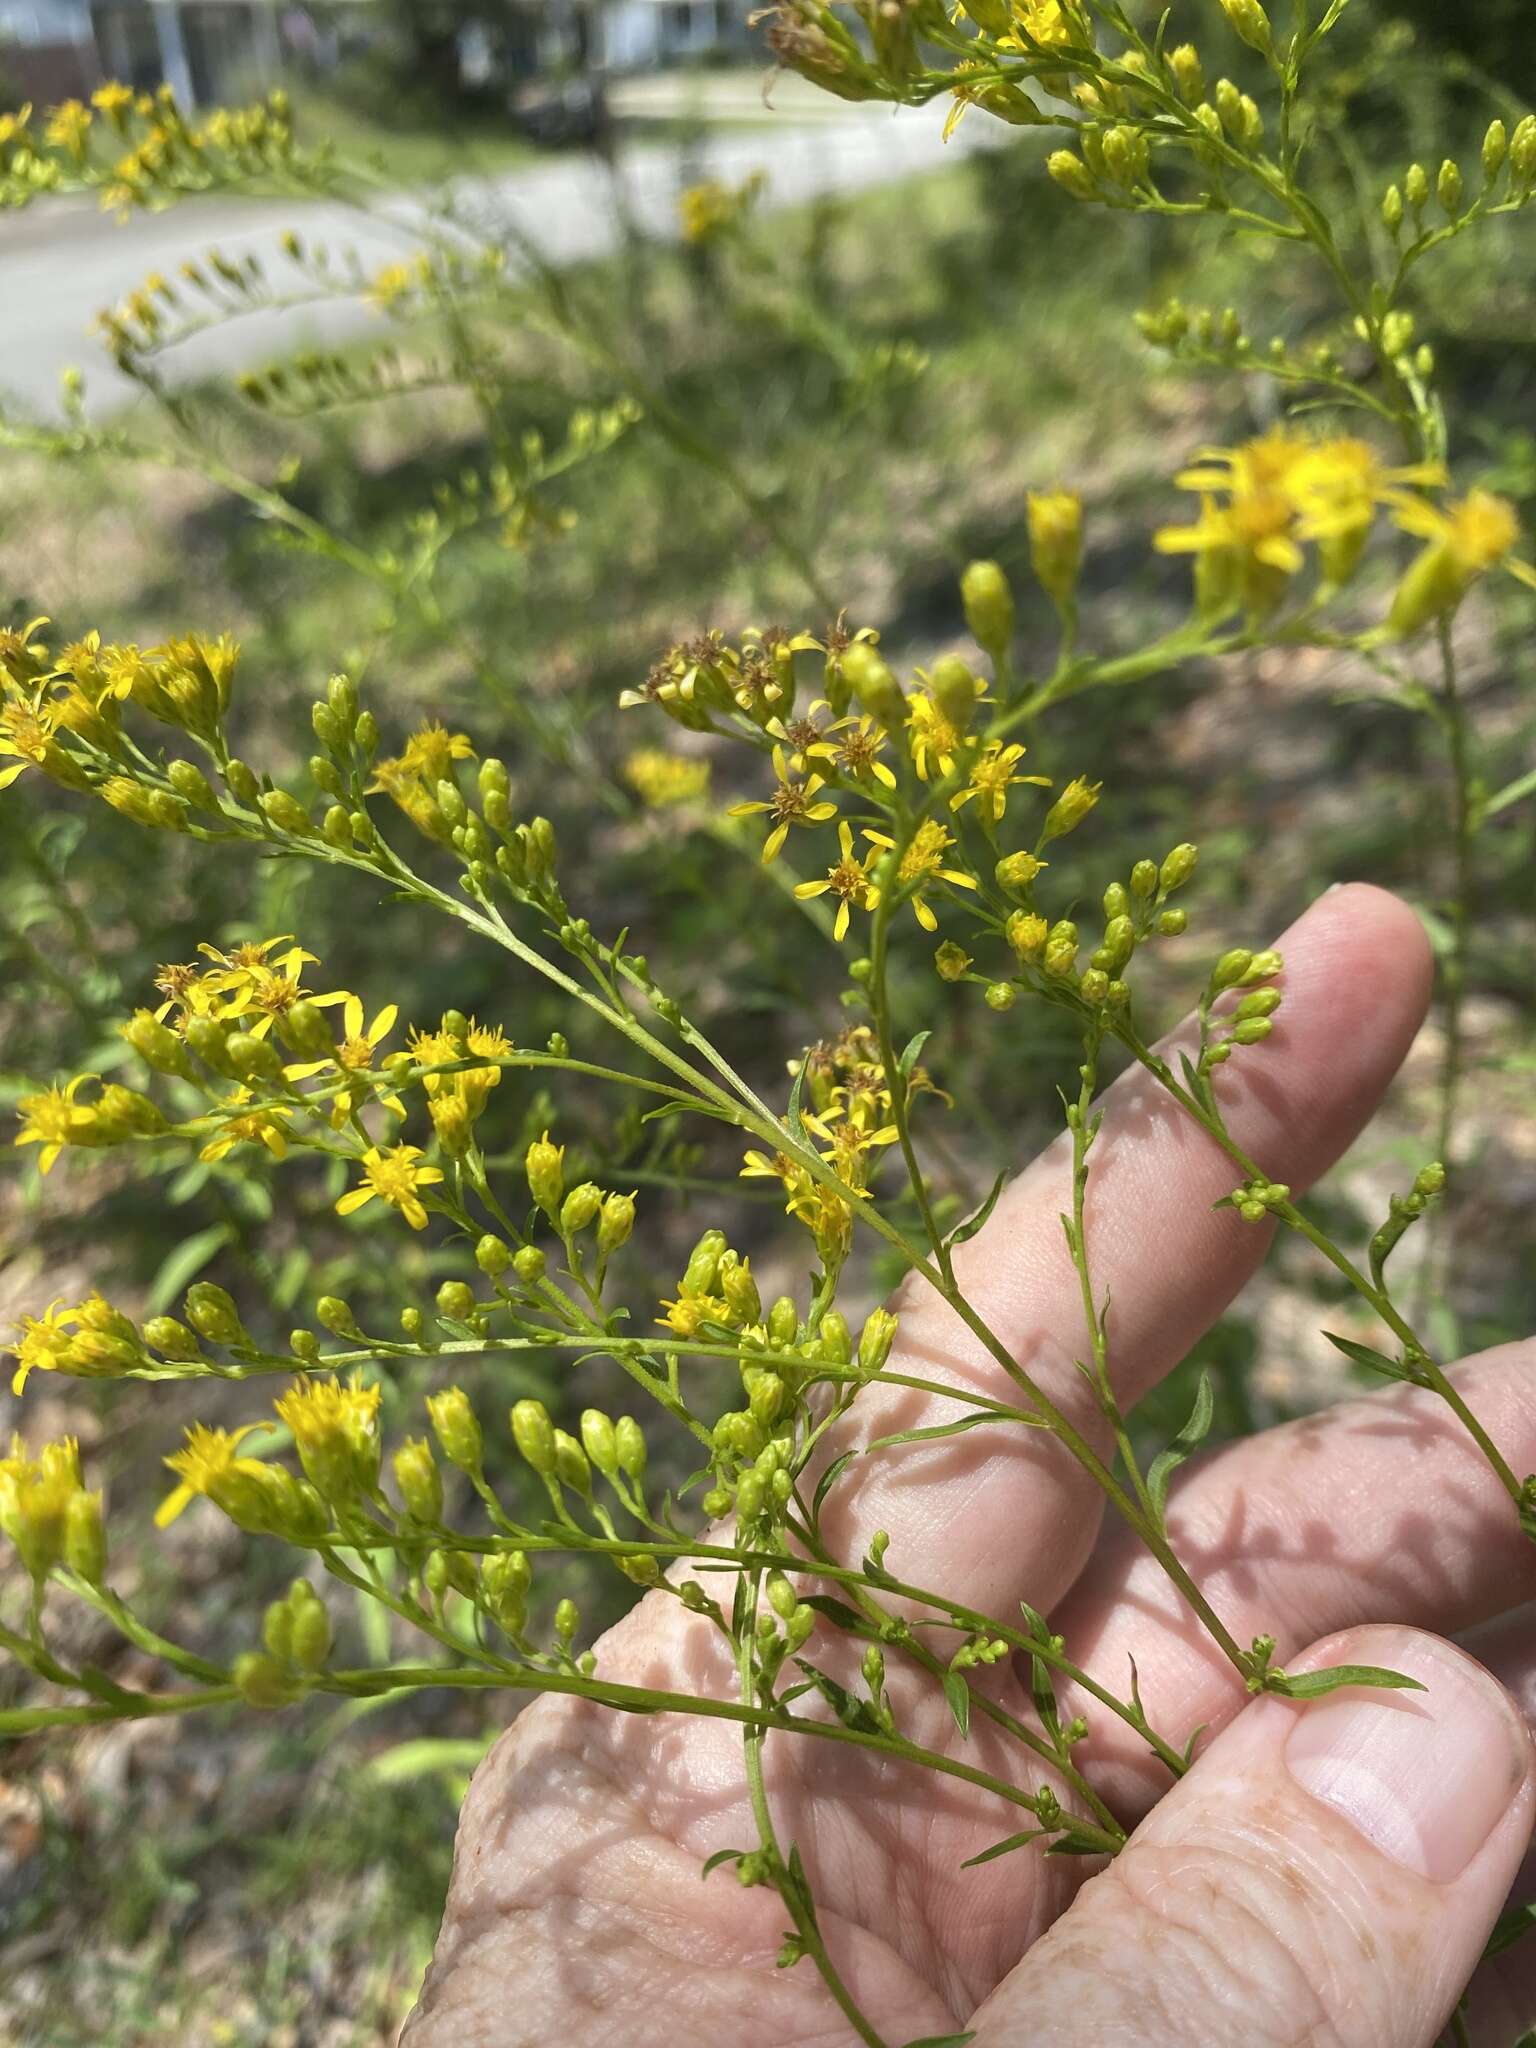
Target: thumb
1328,1872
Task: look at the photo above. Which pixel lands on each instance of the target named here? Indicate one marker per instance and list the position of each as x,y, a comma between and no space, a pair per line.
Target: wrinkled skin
577,1913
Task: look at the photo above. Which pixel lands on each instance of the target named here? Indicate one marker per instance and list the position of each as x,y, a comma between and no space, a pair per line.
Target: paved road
61,264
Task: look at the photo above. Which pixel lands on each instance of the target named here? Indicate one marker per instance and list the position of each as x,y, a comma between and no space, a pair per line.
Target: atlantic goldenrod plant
903,817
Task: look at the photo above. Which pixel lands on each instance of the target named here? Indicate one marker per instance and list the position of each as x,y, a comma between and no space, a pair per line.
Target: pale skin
1315,1882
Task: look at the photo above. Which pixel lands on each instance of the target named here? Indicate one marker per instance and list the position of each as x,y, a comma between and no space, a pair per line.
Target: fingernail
1424,1776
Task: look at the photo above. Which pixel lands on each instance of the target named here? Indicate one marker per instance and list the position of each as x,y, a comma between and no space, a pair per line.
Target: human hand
1326,1872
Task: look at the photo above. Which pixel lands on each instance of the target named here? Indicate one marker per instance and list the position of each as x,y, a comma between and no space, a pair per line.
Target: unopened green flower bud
599,1439
783,1323
341,701
1230,968
1262,1003
751,1495
546,1177
571,1467
1263,965
1522,149
304,1029
1430,1180
1495,149
157,1045
171,1339
875,688
1118,945
85,1537
277,1631
504,1579
739,1291
528,1263
304,1345
1448,187
456,1300
287,813
616,1220
212,1313
1392,208
261,1681
1071,174
335,1315
1070,808
987,597
954,690
1416,187
1093,986
703,1267
781,1595
1396,332
242,784
873,1668
493,1256
1171,922
192,785
310,1635
419,1481
1251,23
1000,995
580,1208
629,1444
567,1620
252,1058
1253,1030
457,1429
876,1339
534,1435
951,961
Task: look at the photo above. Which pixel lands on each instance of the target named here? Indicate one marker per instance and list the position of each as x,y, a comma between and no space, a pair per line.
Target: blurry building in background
206,50
635,35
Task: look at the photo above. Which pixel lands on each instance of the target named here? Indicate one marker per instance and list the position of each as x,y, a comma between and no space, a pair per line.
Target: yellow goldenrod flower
921,864
250,985
336,1430
991,779
113,98
434,1049
68,126
35,1501
855,751
760,1166
20,660
390,285
711,208
662,780
393,1175
690,1312
848,881
355,1052
93,1341
267,1127
54,1120
932,740
1467,538
792,803
431,751
209,1464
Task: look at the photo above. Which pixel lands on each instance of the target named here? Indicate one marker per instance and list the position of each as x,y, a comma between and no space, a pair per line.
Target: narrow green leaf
1511,793
1311,1685
1073,1844
1371,1360
934,1430
940,2041
840,1614
913,1047
1166,1463
182,1264
1004,1848
793,1117
853,1713
828,1480
969,1228
712,1863
958,1693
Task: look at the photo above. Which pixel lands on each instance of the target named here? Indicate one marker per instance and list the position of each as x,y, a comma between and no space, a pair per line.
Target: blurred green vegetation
945,345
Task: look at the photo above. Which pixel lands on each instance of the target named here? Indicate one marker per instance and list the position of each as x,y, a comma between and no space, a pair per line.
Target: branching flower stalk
876,795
